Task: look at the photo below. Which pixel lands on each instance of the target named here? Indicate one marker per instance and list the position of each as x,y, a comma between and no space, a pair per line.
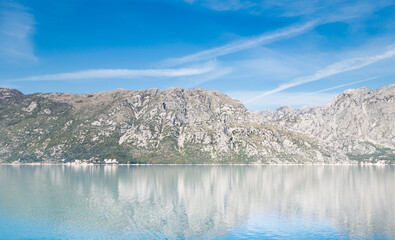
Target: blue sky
264,53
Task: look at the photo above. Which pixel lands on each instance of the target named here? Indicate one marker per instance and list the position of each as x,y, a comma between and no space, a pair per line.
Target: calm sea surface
197,202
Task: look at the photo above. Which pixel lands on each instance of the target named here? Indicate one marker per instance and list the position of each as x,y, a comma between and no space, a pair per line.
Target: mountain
147,126
358,122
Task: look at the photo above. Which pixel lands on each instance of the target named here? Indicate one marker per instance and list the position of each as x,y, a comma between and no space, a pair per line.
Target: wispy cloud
16,29
345,85
296,99
336,68
321,12
119,73
245,44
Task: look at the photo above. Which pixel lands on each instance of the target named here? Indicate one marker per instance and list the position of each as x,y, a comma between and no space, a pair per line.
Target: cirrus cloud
333,69
245,43
120,73
16,30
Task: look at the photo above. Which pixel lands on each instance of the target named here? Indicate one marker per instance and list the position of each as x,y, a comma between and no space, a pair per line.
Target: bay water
197,202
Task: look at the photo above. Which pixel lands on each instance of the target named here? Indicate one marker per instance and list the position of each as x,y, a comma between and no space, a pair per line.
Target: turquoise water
197,202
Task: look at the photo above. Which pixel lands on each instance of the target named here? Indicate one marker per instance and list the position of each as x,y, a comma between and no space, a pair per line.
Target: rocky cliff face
358,122
146,126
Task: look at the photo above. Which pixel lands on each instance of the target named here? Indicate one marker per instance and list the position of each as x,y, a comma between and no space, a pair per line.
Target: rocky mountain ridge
357,122
147,126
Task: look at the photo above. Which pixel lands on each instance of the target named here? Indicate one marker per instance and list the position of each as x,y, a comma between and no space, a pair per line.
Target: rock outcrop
358,122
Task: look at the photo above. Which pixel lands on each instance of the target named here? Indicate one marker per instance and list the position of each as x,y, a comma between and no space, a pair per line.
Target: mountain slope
146,126
359,122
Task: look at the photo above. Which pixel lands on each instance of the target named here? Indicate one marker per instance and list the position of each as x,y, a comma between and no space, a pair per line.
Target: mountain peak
361,90
7,93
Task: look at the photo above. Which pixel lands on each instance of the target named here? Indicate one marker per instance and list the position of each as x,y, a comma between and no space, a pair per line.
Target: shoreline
199,164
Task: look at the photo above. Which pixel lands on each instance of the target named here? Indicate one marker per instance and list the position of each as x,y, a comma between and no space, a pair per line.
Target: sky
264,53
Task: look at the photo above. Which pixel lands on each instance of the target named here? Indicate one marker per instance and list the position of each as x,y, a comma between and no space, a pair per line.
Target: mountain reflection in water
177,202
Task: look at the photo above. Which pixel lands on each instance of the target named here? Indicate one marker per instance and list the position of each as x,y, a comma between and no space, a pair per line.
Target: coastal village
93,160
